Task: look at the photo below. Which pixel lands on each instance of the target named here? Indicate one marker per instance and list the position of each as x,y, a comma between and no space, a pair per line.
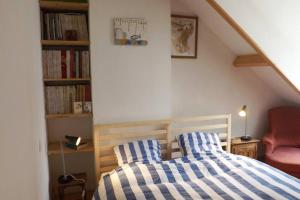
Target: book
63,64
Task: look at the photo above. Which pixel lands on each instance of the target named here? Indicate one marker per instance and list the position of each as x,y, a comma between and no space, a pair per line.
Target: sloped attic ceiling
239,46
275,27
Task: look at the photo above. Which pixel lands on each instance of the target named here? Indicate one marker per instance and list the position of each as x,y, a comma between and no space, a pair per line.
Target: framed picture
130,31
87,107
77,107
184,36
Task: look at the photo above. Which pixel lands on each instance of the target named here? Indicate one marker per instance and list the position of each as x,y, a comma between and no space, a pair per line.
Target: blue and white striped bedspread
220,176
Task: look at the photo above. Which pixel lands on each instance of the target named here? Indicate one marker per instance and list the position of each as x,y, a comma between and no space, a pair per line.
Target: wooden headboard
109,135
217,123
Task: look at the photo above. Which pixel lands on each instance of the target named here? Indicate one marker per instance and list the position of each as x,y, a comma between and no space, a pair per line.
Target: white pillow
197,142
145,151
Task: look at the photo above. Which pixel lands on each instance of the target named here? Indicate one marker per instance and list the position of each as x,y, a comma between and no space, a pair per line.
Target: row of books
61,26
60,99
66,64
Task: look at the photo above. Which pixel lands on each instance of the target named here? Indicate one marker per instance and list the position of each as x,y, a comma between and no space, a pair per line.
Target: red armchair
283,140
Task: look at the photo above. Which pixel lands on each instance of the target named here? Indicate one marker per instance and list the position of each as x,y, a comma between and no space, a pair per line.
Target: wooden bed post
228,148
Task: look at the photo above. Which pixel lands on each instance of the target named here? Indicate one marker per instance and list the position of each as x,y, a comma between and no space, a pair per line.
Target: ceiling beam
254,60
248,39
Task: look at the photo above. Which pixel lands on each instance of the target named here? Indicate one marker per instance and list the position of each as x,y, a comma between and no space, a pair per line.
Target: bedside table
244,148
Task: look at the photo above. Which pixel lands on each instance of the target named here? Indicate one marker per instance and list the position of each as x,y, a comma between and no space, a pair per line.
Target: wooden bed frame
109,135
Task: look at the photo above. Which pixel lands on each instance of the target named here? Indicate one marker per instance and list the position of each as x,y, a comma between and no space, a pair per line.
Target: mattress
209,176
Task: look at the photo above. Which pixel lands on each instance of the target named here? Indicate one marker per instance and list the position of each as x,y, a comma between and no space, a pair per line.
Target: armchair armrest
270,143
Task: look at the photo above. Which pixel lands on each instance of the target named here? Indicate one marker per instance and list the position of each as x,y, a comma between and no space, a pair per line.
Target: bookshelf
67,79
68,115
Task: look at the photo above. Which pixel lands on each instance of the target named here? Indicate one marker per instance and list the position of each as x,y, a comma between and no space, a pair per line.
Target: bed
208,175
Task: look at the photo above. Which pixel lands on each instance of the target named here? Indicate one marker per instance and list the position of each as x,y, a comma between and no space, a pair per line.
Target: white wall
275,27
23,168
211,85
130,83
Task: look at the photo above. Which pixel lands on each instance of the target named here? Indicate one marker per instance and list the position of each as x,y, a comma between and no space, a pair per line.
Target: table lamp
65,178
72,142
243,113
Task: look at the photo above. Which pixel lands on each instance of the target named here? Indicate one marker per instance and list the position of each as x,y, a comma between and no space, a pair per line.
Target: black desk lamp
73,142
243,113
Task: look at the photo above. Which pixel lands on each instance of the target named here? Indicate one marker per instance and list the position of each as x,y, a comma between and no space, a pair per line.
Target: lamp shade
243,111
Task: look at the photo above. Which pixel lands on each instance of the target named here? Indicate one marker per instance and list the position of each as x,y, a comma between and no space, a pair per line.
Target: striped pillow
145,151
197,142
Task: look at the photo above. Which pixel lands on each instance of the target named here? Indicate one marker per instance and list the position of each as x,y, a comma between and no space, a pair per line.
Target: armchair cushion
287,155
286,159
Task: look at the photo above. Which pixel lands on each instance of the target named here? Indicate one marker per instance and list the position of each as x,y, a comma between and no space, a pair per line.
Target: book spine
72,67
42,24
59,74
80,64
45,68
50,63
68,63
88,63
88,96
77,64
63,64
54,64
47,25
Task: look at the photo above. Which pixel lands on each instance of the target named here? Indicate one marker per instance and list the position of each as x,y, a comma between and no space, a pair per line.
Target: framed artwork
77,107
184,36
130,31
87,106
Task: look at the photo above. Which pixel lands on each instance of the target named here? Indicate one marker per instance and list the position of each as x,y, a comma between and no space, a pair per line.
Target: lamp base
246,138
63,179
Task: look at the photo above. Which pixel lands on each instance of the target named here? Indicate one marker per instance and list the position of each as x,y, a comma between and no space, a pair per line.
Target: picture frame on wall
184,36
130,31
87,107
77,107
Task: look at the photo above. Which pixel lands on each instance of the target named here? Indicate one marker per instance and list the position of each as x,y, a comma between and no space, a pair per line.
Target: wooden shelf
54,148
58,5
71,81
66,79
65,43
70,115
